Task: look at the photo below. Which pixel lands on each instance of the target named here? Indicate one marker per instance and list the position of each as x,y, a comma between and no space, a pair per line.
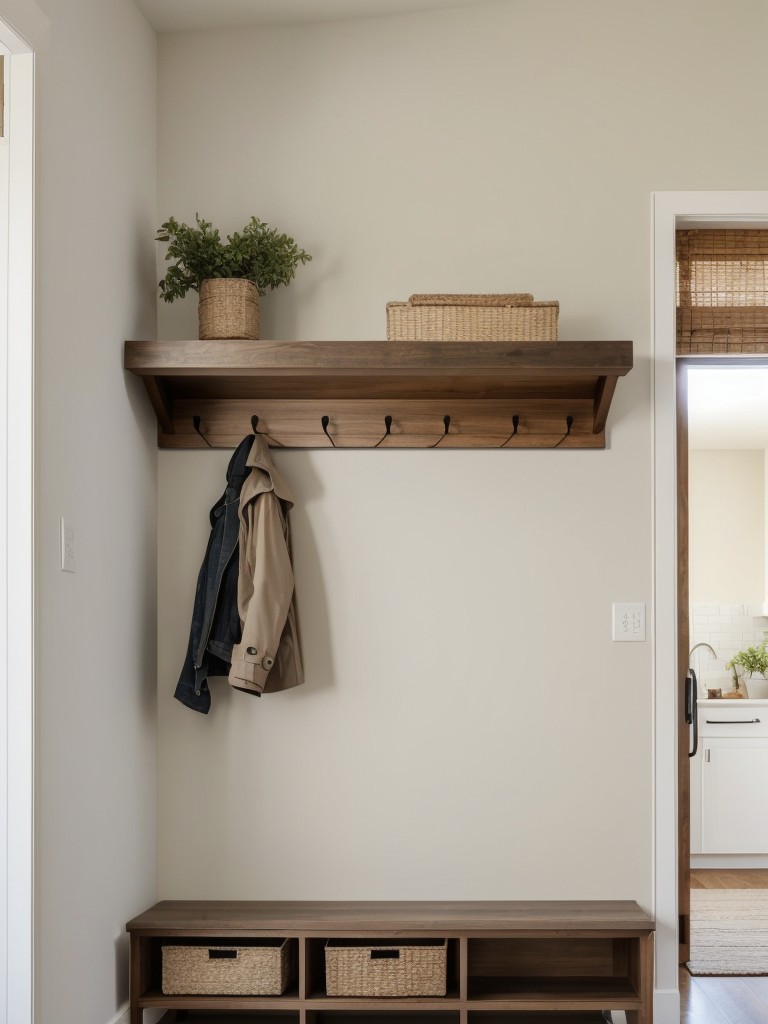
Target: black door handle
691,709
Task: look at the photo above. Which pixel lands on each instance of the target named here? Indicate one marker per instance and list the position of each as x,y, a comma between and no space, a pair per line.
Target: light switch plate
629,620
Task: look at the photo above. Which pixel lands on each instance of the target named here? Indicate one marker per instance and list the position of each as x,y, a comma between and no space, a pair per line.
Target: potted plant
752,661
229,276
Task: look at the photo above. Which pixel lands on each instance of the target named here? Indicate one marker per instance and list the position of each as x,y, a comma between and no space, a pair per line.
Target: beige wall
727,524
467,729
96,739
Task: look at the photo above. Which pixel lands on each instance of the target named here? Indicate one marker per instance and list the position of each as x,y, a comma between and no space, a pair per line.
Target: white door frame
16,536
671,210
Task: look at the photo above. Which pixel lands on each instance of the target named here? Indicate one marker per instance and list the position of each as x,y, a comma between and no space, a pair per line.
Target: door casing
670,210
16,530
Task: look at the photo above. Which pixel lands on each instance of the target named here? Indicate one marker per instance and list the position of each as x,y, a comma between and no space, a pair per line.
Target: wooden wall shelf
576,958
292,385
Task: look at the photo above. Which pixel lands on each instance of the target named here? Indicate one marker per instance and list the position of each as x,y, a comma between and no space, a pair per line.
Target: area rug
729,931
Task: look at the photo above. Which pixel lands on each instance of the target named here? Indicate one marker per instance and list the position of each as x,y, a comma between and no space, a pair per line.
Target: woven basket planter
228,308
262,970
372,968
514,317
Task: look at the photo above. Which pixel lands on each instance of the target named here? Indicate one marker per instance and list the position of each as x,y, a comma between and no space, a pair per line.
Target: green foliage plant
258,253
752,659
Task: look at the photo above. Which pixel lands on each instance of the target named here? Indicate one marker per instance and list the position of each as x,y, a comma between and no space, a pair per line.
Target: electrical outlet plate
628,620
67,546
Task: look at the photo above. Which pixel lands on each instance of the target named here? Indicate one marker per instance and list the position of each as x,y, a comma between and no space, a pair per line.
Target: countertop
730,701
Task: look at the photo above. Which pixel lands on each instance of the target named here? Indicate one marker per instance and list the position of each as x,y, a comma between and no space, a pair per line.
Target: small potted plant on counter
751,664
229,276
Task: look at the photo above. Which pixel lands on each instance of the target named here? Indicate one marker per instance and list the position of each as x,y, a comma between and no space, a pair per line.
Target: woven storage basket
228,308
370,967
513,317
227,970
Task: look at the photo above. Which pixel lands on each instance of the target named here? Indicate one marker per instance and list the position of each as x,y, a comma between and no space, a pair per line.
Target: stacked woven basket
512,317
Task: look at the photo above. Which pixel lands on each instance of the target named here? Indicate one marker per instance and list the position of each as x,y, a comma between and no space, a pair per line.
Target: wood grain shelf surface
238,1017
359,918
156,1000
391,1017
291,385
587,991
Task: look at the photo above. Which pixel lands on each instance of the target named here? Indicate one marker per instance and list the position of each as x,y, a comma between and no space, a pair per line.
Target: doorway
670,210
723,595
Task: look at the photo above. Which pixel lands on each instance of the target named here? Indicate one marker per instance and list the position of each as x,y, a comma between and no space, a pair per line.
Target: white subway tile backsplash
728,629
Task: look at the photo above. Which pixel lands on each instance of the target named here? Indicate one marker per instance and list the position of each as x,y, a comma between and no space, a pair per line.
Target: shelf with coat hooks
374,394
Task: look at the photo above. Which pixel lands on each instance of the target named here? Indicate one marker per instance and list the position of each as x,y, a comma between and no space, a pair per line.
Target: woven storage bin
513,317
228,308
370,967
227,970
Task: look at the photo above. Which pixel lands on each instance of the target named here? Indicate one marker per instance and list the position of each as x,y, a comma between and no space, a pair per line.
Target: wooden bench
565,960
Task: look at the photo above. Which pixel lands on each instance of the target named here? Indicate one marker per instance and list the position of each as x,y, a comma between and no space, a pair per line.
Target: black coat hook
325,421
387,430
196,421
263,433
568,425
446,425
515,425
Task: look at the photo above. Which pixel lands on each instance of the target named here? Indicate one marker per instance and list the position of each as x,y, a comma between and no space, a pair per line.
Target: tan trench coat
268,657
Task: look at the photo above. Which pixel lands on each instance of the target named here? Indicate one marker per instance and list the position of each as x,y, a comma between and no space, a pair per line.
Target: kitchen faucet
696,647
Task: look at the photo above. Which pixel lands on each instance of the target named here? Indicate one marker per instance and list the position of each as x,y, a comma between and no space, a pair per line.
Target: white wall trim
122,1015
16,435
670,209
666,1006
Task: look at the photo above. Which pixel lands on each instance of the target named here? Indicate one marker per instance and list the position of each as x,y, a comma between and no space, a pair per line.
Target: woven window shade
722,291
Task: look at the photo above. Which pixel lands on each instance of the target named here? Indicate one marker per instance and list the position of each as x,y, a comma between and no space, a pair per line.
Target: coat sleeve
264,591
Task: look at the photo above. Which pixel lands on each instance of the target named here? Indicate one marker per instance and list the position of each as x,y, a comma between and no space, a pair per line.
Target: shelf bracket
162,403
603,397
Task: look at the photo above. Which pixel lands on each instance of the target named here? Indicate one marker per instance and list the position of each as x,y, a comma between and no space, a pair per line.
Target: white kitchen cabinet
729,806
734,790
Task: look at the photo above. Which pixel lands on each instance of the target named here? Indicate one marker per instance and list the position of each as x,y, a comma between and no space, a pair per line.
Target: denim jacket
215,619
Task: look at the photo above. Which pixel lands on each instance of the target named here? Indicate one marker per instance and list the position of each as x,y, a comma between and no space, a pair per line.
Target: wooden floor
724,1000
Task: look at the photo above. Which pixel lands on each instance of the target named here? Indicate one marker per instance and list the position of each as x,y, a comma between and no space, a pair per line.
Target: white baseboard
666,1006
729,860
123,1014
121,1017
